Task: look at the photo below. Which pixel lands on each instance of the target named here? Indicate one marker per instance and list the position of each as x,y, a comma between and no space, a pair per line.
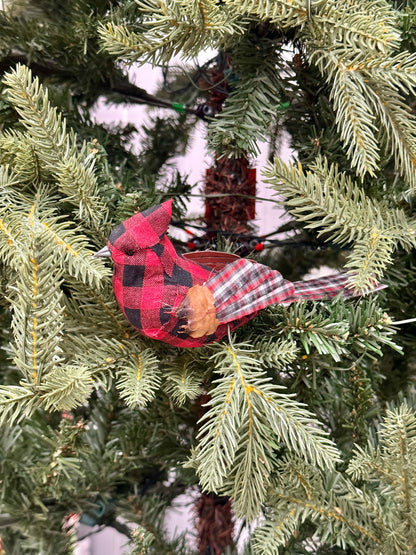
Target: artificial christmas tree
308,417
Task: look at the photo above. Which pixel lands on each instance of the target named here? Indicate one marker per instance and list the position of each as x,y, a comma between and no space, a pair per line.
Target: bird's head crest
144,229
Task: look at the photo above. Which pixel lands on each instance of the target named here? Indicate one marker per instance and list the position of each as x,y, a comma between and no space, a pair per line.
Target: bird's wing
213,259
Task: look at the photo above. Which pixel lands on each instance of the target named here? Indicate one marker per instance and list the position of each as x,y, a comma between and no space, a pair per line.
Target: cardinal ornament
192,300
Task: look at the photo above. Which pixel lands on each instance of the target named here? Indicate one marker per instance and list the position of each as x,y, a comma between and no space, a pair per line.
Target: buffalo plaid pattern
151,279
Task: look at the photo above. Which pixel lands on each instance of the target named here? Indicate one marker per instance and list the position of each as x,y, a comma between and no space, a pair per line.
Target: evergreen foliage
256,69
331,203
247,417
306,417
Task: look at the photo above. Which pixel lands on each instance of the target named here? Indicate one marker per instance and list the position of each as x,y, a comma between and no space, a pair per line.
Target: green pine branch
356,123
369,111
11,246
253,101
38,213
371,329
353,23
359,398
377,516
390,466
67,387
55,288
275,352
37,303
57,149
248,417
171,28
16,403
397,124
355,52
283,14
182,379
139,378
17,151
365,261
340,514
327,334
90,310
38,474
37,309
326,200
370,26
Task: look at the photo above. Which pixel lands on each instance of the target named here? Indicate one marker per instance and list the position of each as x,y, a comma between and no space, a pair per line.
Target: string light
252,242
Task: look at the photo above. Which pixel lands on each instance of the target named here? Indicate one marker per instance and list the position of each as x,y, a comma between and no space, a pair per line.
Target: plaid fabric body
150,279
149,297
245,287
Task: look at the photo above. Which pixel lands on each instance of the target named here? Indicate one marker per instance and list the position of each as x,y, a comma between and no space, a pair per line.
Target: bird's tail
327,287
244,287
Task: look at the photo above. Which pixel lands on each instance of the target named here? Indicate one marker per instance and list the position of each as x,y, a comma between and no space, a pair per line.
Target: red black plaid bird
186,303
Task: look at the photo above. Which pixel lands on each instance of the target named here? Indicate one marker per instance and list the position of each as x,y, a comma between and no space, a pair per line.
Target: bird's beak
105,251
